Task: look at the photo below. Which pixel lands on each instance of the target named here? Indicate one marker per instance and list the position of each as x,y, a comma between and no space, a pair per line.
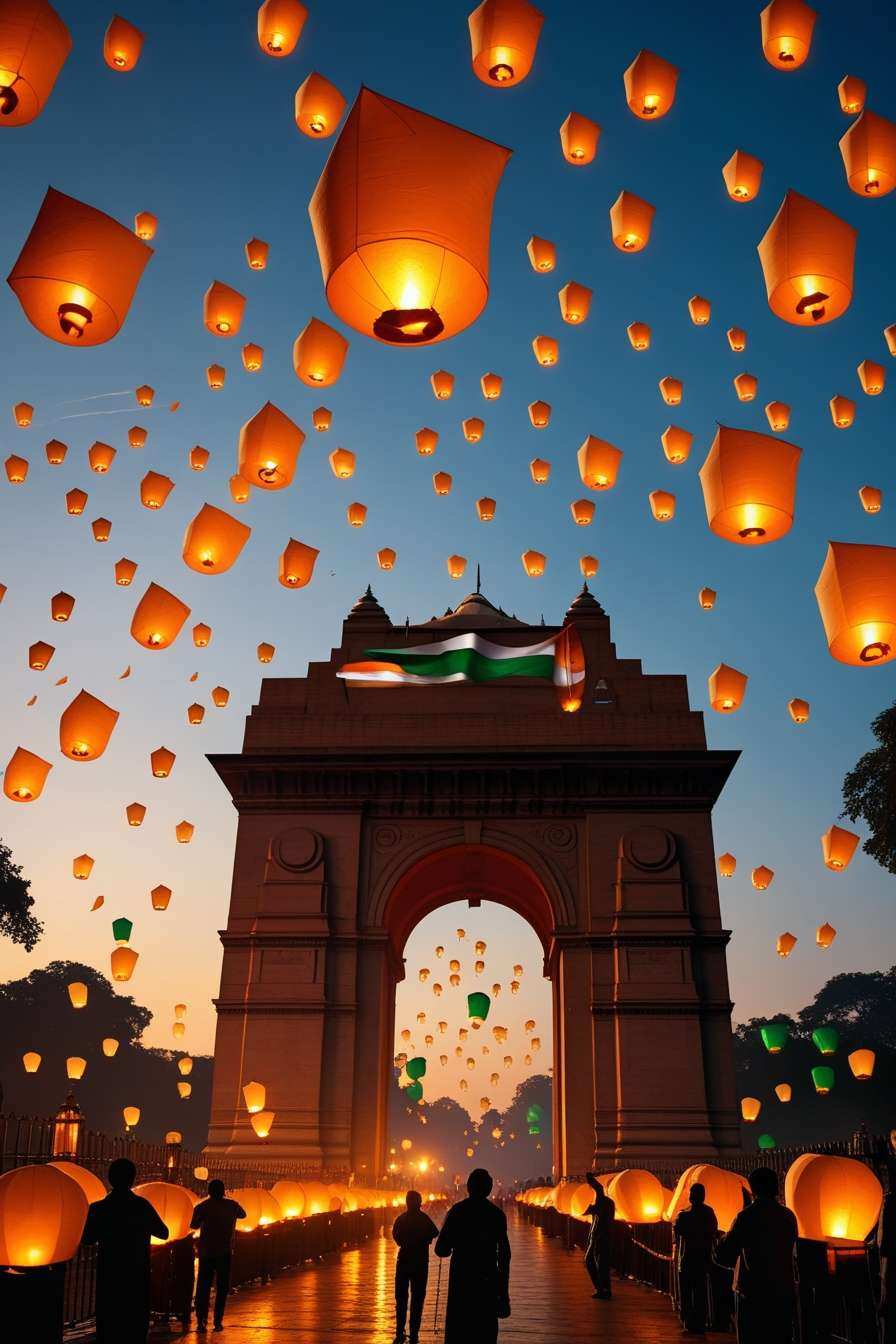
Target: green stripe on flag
469,663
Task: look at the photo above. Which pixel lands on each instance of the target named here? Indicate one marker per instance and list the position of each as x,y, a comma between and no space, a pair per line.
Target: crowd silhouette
759,1247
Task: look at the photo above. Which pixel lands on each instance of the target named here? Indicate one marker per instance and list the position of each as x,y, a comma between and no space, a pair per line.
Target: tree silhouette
16,920
869,792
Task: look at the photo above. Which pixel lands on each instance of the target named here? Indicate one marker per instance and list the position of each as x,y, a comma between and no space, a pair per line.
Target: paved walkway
348,1299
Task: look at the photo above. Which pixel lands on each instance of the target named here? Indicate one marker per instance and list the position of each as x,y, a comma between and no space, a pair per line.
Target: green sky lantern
766,1142
823,1078
414,1092
121,929
774,1036
826,1039
415,1068
534,1114
478,1005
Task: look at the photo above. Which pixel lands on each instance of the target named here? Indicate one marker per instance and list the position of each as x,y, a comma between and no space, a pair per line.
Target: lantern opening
119,59
650,104
813,304
748,532
874,652
501,72
73,318
872,186
9,99
275,43
79,749
408,326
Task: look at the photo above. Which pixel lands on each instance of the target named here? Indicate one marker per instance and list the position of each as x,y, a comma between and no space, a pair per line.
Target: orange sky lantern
676,444
158,618
836,1199
856,595
539,470
589,565
727,865
503,40
737,338
257,254
280,24
137,436
34,46
662,505
215,376
485,509
807,256
122,44
426,440
542,254
843,411
700,310
824,936
871,498
85,727
56,452
198,458
101,528
213,540
546,350
319,354
239,489
145,225
727,688
671,390
786,30
25,776
746,386
778,415
222,309
579,137
798,710
534,563
639,335
491,385
868,150
269,448
161,762
442,384
100,457
22,413
575,302
872,376
650,86
837,848
583,511
473,428
762,877
318,107
155,489
124,572
356,514
16,469
144,395
401,215
265,652
749,486
742,175
39,655
442,482
342,463
321,419
297,564
61,606
707,598
539,414
456,566
386,557
852,93
631,220
598,463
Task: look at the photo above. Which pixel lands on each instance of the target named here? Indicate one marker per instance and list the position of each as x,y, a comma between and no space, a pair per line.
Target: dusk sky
202,134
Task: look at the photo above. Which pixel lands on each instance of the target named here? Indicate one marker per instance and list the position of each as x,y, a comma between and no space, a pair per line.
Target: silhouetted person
412,1232
886,1245
216,1217
474,1234
695,1232
597,1249
760,1245
120,1226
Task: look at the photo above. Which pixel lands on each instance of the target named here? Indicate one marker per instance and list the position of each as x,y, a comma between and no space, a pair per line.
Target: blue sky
202,135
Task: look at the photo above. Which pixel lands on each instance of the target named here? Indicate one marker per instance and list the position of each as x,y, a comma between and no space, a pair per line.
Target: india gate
363,807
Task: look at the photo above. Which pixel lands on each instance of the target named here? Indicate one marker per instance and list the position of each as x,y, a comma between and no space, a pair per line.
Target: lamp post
67,1128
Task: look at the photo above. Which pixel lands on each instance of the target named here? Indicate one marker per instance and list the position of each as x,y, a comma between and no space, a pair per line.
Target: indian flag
469,657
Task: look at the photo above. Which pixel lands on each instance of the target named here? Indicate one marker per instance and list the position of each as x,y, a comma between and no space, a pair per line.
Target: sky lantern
727,865
578,139
144,395
122,44
280,24
135,812
774,1036
198,458
872,376
184,1089
31,1061
137,436
265,652
861,1062
161,762
539,414
82,867
856,595
262,1123
318,107
123,962
650,86
145,225
319,354
401,216
835,1199
662,505
671,390
837,847
491,385
630,222
676,444
542,253
155,489
742,175
843,411
386,557
639,335
442,384
122,928
34,43
727,688
700,310
707,598
785,944
239,489
746,385
158,618
222,309
25,776
786,29
868,150
442,482
254,1095
871,498
100,456
39,655
798,710
342,463
75,501
485,509
77,272
598,463
321,419
852,92
195,714
269,447
75,1067
582,511
356,514
503,38
220,697
575,302
749,486
56,452
16,469
534,563
426,440
824,936
822,1079
185,1066
85,727
737,339
23,413
213,541
202,635
784,1092
77,993
257,254
807,256
546,350
297,564
61,606
750,1108
473,428
890,337
42,1215
539,470
762,877
778,415
215,376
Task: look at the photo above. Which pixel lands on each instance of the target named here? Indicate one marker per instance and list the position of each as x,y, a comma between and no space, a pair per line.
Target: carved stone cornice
528,783
664,1008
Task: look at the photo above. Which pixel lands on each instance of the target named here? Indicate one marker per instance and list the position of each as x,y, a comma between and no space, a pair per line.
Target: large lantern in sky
25,776
318,107
269,448
401,216
727,688
749,486
835,1199
77,273
222,309
786,28
279,27
213,540
297,564
503,38
158,618
856,595
34,46
868,150
650,86
85,727
807,256
598,463
837,848
631,219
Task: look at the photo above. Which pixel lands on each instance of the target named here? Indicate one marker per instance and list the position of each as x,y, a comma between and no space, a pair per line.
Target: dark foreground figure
412,1232
216,1218
474,1234
597,1250
760,1245
695,1233
120,1226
